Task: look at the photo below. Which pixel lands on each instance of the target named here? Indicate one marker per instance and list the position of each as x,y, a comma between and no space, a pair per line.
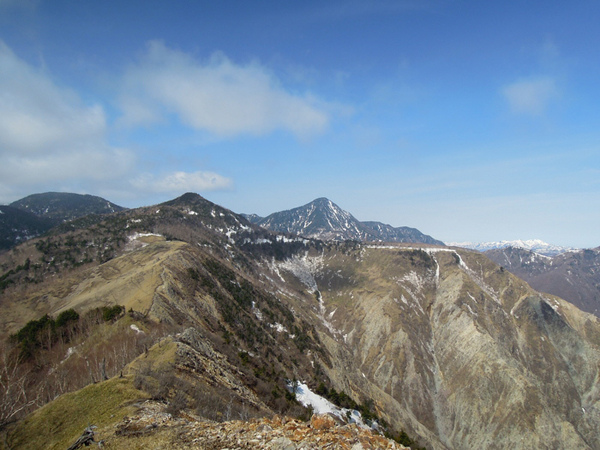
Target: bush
244,357
111,312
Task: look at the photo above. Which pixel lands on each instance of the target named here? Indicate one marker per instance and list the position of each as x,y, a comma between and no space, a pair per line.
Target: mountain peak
189,198
323,219
62,206
322,205
323,201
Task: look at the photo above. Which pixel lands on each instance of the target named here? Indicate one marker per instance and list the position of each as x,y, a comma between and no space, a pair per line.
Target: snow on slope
321,405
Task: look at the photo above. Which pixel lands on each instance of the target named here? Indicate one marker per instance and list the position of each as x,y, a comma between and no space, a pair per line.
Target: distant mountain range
323,219
534,245
35,214
574,276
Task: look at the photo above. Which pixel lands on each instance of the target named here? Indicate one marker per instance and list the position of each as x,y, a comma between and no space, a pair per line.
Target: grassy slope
129,280
58,424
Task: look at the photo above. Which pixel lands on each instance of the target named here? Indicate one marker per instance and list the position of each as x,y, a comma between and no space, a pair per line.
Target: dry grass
161,356
58,424
129,280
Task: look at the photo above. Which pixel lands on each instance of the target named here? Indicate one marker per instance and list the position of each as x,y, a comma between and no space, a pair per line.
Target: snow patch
133,242
139,235
278,327
303,267
257,312
321,405
70,352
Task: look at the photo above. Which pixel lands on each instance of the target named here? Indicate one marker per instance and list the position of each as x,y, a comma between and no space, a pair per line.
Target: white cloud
531,96
179,182
36,114
217,96
47,134
51,140
65,167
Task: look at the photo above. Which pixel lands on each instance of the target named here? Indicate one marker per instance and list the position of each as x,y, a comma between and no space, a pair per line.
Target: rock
282,443
273,434
321,422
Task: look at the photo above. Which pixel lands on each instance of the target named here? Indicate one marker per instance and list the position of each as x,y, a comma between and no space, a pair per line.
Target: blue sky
468,120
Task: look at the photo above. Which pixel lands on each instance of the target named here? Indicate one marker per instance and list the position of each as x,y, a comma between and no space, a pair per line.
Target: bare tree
15,397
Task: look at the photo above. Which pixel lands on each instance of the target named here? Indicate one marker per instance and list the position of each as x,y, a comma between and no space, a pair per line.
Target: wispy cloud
531,96
47,134
218,96
179,182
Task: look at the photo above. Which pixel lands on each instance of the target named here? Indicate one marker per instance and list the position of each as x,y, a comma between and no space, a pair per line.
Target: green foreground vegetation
59,423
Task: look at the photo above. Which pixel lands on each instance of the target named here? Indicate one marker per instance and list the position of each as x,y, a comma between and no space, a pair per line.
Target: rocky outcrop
195,355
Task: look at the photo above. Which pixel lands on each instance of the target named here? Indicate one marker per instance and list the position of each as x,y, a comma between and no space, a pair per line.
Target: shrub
244,357
111,312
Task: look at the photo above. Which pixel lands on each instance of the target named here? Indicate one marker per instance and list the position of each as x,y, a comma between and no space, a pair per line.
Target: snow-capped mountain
320,219
323,219
534,245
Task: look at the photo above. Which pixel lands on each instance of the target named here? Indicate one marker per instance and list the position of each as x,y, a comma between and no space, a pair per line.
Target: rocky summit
189,307
152,425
